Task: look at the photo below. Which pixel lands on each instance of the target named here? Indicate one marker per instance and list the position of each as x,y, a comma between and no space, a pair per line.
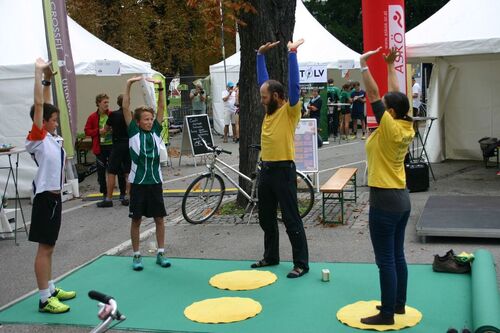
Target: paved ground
89,232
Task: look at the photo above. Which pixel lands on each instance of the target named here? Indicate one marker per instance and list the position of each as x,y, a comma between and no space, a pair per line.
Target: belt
278,164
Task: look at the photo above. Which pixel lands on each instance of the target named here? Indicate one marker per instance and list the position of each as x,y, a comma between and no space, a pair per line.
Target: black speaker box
417,177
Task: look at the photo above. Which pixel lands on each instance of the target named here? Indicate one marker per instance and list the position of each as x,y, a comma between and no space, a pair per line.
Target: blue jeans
387,233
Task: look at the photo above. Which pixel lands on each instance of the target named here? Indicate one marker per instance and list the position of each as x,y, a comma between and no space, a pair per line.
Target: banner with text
59,51
313,74
306,146
384,25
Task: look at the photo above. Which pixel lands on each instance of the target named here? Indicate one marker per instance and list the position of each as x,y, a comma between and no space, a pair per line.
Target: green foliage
231,208
344,18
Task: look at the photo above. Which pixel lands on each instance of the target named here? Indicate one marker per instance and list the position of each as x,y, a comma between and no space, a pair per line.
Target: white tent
320,48
462,40
22,41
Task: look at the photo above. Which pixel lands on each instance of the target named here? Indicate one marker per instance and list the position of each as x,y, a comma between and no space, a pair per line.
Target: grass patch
231,208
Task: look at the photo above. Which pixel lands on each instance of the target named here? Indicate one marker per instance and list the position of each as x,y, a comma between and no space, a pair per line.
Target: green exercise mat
155,298
485,298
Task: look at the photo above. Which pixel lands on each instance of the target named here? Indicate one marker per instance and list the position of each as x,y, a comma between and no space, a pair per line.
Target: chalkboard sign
194,127
306,146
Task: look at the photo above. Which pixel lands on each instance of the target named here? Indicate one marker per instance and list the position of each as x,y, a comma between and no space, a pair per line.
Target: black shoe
124,200
105,204
448,264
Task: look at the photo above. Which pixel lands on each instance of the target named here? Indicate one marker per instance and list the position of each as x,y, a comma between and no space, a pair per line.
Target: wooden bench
344,180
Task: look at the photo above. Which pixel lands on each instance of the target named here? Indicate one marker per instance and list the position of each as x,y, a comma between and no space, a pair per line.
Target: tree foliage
344,18
175,36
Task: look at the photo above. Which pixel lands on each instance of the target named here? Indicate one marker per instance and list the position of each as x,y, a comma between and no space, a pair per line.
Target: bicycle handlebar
100,297
213,148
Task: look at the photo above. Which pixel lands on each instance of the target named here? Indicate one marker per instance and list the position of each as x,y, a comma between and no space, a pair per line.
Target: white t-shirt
416,90
229,104
50,157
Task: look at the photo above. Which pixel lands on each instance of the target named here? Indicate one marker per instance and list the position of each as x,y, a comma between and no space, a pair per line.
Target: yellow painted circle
243,280
223,310
351,315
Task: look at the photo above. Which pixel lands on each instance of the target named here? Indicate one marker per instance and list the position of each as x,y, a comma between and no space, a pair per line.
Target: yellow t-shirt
386,149
278,133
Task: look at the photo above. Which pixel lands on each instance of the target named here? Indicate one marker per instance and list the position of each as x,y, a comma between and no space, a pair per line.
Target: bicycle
422,110
108,312
204,195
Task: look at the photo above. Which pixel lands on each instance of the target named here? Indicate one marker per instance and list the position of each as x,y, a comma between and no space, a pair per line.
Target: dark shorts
45,218
119,161
146,200
345,110
358,115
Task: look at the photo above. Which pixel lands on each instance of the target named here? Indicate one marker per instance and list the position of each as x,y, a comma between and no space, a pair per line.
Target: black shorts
146,200
119,161
45,218
345,110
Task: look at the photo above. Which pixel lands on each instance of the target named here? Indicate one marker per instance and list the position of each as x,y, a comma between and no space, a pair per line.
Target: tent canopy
462,40
460,27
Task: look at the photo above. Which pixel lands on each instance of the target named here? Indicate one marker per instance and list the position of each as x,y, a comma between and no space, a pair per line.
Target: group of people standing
386,149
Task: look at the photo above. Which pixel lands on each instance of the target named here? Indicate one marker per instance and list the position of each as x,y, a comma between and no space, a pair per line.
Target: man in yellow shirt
278,183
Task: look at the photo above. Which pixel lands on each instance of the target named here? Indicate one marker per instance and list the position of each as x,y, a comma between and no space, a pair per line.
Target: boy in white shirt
45,146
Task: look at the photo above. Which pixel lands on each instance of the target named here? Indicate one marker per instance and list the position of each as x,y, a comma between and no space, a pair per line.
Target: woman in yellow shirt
389,199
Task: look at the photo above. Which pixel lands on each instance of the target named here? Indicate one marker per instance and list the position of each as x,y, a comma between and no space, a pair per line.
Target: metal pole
222,41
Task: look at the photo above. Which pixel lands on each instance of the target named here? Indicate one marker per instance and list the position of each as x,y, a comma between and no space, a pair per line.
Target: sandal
297,272
263,263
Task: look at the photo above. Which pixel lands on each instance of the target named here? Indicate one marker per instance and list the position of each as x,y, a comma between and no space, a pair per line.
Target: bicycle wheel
202,198
305,196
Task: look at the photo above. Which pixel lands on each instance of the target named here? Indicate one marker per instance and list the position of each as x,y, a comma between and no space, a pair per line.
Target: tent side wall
472,109
218,85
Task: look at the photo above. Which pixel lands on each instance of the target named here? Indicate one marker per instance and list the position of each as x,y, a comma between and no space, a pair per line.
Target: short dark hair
274,86
48,111
330,81
100,97
119,100
399,103
140,110
356,83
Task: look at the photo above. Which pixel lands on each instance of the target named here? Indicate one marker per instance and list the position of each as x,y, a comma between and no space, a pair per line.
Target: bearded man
278,183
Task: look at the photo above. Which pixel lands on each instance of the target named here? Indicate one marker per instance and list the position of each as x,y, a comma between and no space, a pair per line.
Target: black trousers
102,161
278,184
334,122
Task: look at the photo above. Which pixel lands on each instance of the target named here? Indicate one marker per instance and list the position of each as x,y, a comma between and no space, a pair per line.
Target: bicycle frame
213,165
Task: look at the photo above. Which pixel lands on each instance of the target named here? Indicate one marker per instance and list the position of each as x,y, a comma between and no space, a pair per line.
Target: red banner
384,25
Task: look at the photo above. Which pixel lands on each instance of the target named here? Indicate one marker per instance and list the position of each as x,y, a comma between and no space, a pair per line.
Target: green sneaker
52,305
63,295
137,263
162,261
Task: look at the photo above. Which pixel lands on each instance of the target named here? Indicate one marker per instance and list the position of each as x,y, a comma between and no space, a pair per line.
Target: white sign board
107,67
306,146
313,74
345,64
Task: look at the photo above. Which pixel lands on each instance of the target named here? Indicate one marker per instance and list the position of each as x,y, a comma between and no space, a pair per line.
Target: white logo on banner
397,40
313,74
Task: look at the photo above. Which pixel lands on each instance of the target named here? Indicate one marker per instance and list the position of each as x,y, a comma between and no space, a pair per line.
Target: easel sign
306,147
194,127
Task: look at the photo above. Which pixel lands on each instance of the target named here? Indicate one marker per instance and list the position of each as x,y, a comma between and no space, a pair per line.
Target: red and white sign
384,25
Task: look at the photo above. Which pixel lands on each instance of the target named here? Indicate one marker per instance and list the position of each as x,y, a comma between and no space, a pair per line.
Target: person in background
389,199
345,110
198,99
146,192
45,146
229,98
236,137
333,94
416,94
358,97
102,143
119,160
278,182
314,106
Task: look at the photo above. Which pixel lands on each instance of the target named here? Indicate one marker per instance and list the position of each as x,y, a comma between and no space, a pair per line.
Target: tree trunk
274,20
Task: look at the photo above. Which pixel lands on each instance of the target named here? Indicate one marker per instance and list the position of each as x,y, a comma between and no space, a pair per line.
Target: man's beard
272,106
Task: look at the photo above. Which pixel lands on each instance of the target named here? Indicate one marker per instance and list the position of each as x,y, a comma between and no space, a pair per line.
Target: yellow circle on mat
351,315
223,310
243,280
